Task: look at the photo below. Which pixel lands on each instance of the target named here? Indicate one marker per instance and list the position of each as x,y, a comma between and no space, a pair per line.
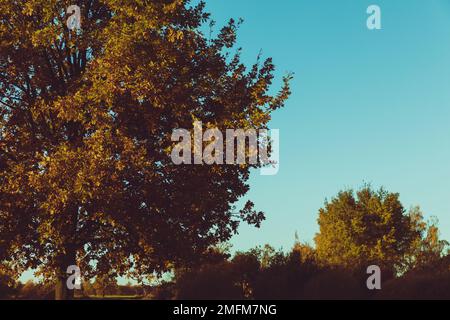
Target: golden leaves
174,35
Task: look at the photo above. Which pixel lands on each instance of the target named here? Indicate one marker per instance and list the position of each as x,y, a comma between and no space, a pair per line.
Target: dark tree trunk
68,258
62,291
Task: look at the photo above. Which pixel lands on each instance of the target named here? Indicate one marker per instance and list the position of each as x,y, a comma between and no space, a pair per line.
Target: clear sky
367,106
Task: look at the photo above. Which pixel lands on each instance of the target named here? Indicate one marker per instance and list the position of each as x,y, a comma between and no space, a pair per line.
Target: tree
371,228
86,117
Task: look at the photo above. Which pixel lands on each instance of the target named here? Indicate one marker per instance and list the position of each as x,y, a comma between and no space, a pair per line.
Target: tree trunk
62,291
68,257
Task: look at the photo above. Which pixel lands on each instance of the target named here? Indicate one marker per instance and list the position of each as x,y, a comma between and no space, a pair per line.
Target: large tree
86,117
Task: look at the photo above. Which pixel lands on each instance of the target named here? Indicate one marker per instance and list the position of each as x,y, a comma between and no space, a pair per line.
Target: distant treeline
264,273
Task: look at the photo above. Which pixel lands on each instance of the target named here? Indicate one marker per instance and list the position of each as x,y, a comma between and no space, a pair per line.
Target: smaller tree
369,228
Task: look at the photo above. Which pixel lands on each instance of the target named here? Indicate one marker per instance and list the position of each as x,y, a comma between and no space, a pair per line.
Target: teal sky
367,106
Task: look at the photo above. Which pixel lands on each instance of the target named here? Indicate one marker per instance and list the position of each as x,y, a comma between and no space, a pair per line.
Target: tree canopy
85,122
372,227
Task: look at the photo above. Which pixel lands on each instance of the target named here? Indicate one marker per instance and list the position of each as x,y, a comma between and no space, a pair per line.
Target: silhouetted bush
256,274
285,277
420,287
335,285
245,268
211,282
